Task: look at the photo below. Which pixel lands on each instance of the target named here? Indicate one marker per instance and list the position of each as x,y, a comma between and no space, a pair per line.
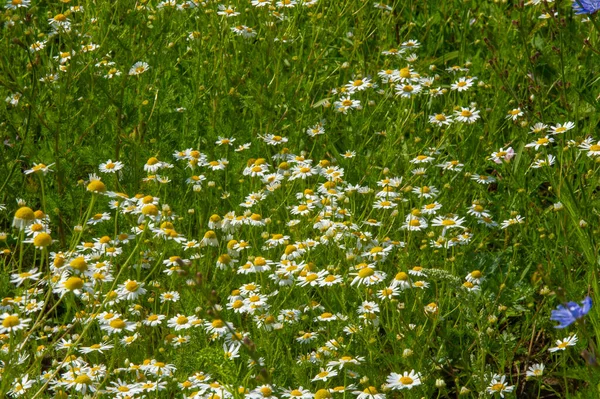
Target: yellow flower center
79,264
73,283
366,272
42,240
224,259
497,387
25,213
11,321
476,274
132,286
406,380
149,210
83,379
118,324
96,186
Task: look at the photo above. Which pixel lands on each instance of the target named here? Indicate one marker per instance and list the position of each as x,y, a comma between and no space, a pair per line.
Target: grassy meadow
302,199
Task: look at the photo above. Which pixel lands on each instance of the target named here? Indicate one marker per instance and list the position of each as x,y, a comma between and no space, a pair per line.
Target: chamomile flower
367,276
118,326
273,139
502,155
462,84
562,344
512,221
358,85
448,222
474,277
549,160
453,165
561,128
419,159
12,323
440,119
153,320
181,322
514,114
408,90
467,115
346,104
325,374
110,166
498,385
21,385
541,142
19,278
538,128
536,370
483,179
407,380
39,168
592,150
139,68
227,11
15,4
426,191
414,223
131,290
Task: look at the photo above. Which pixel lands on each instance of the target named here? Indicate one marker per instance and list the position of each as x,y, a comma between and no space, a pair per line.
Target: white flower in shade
562,344
139,68
499,386
537,370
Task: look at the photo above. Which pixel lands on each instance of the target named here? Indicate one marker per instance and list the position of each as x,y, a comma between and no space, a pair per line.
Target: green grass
205,83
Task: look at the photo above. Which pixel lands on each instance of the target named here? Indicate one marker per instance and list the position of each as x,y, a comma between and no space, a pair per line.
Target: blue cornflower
586,6
571,313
